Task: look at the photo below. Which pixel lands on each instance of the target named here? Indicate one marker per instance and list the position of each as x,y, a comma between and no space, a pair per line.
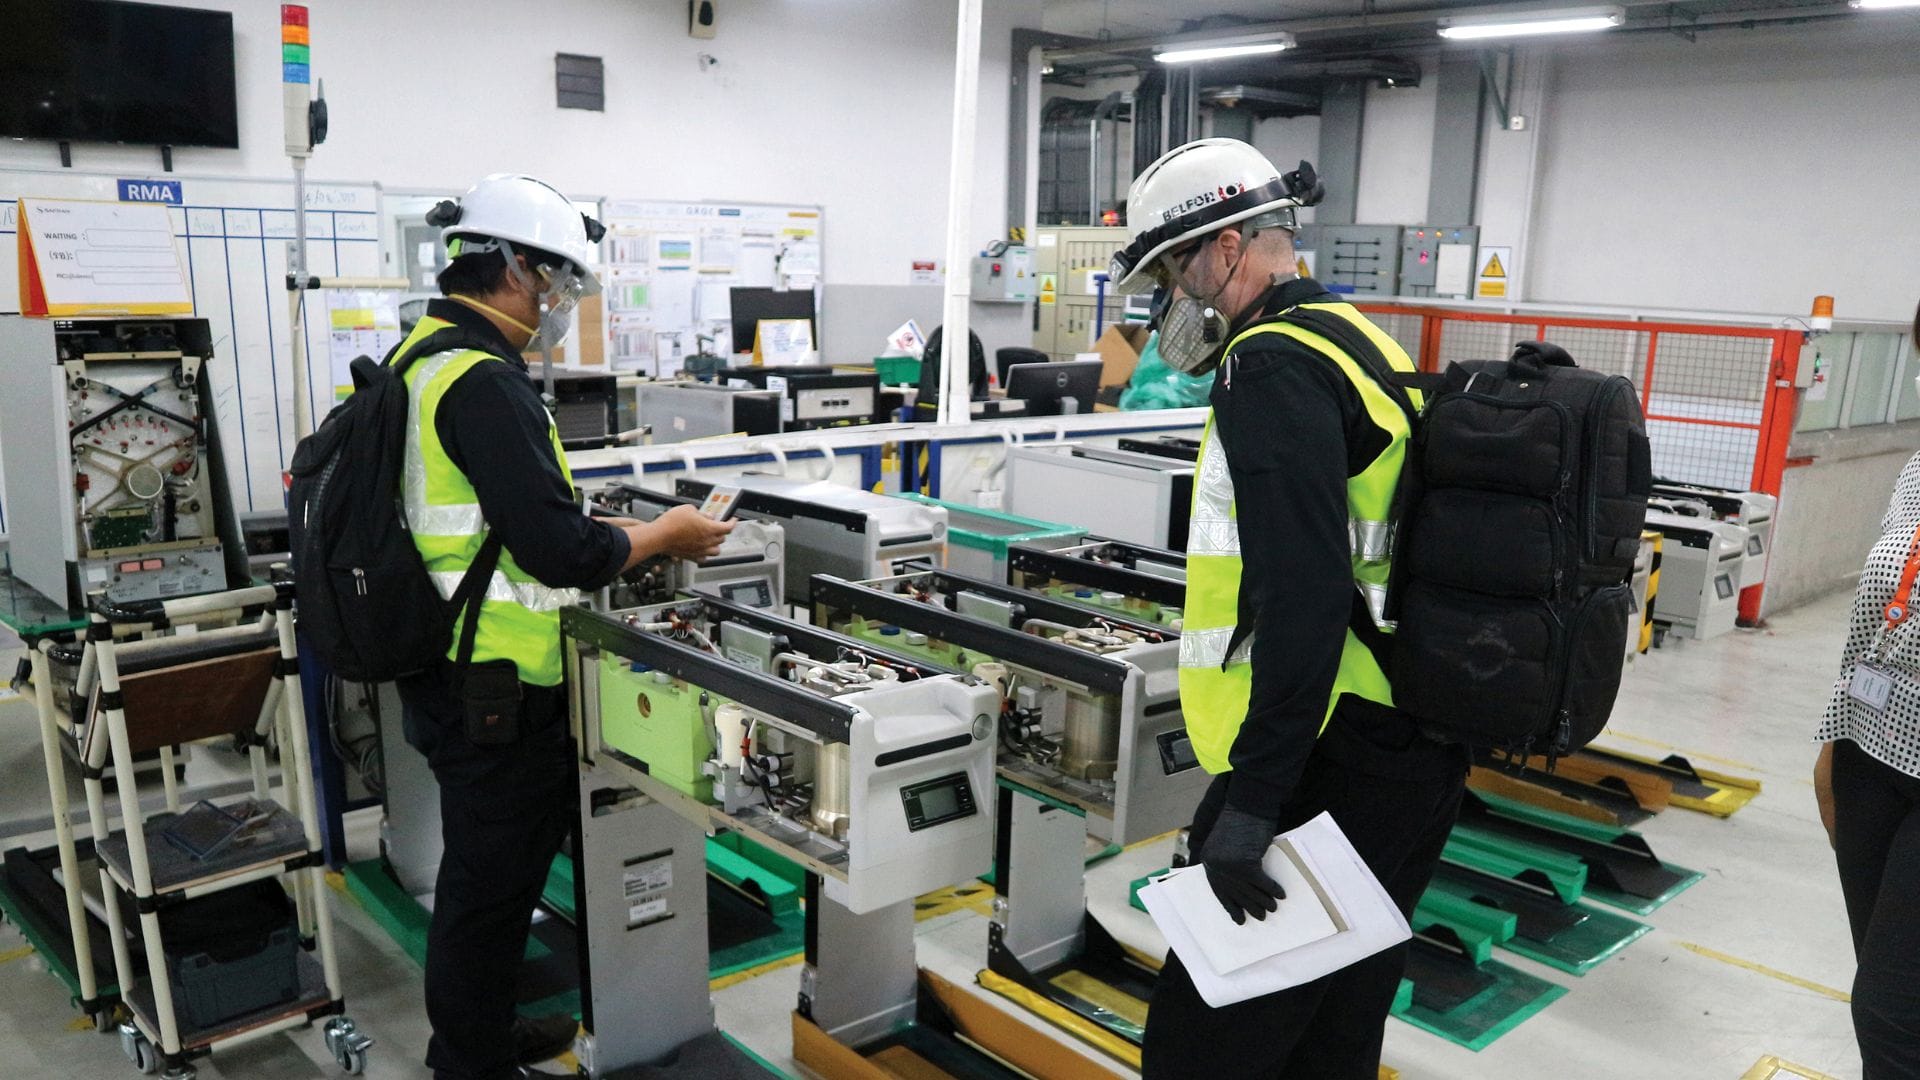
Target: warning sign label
1491,281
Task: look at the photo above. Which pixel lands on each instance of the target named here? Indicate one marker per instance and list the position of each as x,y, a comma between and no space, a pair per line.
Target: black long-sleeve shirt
1294,430
496,430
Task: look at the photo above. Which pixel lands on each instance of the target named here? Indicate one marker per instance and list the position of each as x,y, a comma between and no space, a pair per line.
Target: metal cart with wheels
164,674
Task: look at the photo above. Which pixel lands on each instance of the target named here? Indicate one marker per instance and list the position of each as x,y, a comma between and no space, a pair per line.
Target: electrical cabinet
1438,260
1005,278
1358,260
1066,260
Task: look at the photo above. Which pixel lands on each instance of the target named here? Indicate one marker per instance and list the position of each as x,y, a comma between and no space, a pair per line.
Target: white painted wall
1748,171
1396,153
1287,141
845,103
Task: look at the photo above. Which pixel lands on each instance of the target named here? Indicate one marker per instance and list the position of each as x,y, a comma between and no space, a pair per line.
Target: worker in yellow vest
484,464
1282,676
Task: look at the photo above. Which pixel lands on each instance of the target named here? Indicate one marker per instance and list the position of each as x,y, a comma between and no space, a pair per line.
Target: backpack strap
1358,345
466,598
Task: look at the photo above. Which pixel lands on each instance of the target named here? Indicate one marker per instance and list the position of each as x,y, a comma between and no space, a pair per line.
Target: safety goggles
566,287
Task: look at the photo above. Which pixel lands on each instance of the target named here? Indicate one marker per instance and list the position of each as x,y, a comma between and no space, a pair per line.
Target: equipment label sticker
645,885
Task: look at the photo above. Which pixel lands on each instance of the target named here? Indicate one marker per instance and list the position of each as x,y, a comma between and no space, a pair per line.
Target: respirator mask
1193,330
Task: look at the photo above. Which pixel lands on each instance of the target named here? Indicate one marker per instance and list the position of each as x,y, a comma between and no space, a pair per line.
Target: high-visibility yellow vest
519,617
1215,688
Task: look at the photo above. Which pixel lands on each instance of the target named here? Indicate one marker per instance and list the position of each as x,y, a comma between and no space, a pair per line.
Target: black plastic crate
231,953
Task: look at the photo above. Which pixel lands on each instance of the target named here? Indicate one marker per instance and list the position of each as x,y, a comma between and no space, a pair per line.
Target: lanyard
1898,608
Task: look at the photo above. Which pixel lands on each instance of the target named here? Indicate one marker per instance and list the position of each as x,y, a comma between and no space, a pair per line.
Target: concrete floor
1745,964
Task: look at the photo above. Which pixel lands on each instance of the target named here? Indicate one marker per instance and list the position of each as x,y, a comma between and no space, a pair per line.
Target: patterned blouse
1892,736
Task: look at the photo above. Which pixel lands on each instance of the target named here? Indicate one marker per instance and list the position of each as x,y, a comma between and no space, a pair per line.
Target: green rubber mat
741,934
1621,868
1645,905
1470,1005
1573,938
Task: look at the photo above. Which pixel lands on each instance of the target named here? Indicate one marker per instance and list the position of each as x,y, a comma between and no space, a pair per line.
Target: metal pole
297,276
955,388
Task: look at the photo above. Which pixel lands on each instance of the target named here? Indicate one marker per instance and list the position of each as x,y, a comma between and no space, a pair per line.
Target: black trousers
1395,794
1876,831
505,810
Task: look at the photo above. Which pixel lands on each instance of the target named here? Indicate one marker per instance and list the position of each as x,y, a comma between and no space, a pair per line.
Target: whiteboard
669,266
234,234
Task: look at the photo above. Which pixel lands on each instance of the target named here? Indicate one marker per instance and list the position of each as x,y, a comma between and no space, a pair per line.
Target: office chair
930,368
1005,359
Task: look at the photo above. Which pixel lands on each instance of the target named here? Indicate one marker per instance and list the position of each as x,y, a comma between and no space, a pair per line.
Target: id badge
1871,686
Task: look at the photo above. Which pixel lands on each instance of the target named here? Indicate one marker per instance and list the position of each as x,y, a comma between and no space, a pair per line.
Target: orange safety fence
1719,399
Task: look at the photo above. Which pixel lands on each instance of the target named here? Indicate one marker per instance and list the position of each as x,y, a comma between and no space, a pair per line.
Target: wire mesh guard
1704,392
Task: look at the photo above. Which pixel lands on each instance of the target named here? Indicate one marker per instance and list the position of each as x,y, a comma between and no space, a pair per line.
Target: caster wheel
348,1045
179,1072
146,1057
105,1021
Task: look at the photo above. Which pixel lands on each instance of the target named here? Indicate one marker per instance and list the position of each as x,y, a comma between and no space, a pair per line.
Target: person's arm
1286,439
495,429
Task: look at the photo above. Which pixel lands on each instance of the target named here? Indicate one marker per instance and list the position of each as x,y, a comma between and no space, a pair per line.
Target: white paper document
1336,914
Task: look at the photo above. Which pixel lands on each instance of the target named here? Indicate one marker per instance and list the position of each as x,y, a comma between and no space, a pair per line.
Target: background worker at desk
484,460
1285,700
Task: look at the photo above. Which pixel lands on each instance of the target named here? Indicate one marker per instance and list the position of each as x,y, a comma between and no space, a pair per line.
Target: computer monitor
751,305
1044,387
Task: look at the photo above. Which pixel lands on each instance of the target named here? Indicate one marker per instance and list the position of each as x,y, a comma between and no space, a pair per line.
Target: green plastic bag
1156,386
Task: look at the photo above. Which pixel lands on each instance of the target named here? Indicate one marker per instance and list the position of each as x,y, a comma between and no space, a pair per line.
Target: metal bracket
1500,89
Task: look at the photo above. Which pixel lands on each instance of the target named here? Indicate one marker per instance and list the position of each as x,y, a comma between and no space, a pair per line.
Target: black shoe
541,1038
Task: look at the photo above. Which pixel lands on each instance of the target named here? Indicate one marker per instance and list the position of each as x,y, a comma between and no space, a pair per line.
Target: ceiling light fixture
1498,24
1223,48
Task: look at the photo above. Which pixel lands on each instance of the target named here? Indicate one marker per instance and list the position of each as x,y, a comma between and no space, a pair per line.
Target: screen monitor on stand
1055,389
749,306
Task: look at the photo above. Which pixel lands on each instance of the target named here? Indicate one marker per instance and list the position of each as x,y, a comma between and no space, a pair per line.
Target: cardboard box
1119,348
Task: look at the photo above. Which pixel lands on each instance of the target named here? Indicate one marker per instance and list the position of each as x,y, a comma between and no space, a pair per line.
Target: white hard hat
527,213
1199,188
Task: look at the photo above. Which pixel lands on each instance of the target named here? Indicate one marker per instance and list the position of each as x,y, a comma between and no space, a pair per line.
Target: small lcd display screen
748,594
939,802
934,802
1724,586
1754,547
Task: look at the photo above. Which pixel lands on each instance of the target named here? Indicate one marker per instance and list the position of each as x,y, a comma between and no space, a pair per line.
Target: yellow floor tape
1688,754
1771,973
738,977
974,896
15,953
1772,1068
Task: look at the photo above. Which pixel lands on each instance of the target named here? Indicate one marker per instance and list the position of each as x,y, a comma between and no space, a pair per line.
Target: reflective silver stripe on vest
1208,648
528,594
1376,604
1212,530
1372,540
427,519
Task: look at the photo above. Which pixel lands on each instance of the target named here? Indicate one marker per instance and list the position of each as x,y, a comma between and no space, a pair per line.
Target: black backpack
368,609
1518,520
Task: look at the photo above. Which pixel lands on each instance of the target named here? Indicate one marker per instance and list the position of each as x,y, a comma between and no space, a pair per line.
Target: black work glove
1232,855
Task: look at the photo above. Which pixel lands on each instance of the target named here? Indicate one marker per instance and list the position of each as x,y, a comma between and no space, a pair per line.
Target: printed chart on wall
670,268
233,237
